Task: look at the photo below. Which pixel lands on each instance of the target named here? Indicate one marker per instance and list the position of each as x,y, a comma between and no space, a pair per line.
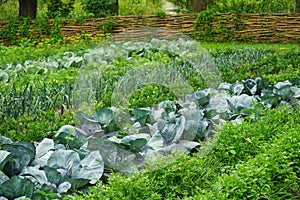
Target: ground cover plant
224,167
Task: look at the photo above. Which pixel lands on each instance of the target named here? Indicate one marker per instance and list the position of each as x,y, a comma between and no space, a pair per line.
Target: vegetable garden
157,119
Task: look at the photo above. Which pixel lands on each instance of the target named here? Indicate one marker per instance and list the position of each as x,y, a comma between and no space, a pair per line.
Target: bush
58,8
100,8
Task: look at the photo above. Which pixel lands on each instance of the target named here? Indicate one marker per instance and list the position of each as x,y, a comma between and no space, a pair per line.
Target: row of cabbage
82,155
47,83
44,65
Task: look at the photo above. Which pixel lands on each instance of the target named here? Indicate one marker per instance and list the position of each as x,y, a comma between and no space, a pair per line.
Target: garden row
42,88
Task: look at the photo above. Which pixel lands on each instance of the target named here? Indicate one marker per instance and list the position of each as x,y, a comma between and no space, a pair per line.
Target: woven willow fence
253,28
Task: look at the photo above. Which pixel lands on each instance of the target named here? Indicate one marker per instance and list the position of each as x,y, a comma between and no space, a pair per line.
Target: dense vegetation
258,159
135,138
261,151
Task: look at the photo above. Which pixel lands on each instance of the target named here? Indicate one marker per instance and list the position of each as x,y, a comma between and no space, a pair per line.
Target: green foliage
51,166
34,127
244,6
277,67
254,6
140,7
181,5
19,54
150,95
252,160
108,25
260,160
9,10
99,8
59,8
220,33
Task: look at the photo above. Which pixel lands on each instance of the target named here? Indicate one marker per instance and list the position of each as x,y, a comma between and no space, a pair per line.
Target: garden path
169,7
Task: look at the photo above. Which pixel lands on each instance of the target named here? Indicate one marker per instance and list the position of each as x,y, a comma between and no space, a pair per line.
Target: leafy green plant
267,147
45,167
139,7
108,25
260,6
34,127
278,67
99,8
59,8
150,95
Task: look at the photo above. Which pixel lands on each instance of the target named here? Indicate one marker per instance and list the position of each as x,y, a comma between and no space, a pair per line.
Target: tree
196,5
297,6
115,8
27,8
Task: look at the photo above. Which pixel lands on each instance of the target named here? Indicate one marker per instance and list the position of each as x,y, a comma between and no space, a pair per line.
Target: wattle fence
252,28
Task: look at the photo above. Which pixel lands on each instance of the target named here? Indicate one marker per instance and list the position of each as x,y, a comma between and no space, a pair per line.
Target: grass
236,45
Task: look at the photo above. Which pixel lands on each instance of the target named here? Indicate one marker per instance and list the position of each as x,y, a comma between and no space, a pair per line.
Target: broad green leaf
68,129
64,159
156,141
113,156
91,167
237,88
242,101
3,178
3,158
64,187
295,81
183,146
53,176
135,142
68,140
202,129
77,183
43,160
283,89
141,115
172,132
168,106
262,84
269,99
87,126
250,86
17,187
104,116
22,154
28,146
202,97
38,174
190,130
33,70
43,147
296,92
5,140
